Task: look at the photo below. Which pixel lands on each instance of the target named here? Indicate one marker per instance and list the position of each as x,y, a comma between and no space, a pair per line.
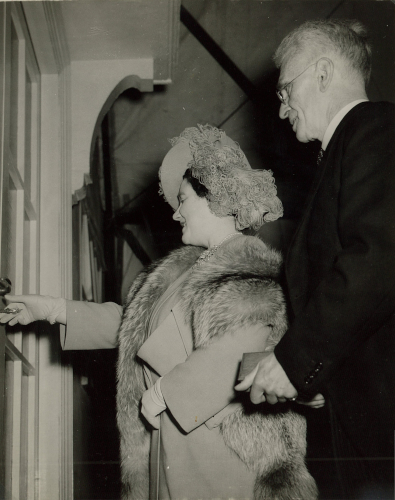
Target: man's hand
318,401
268,382
34,308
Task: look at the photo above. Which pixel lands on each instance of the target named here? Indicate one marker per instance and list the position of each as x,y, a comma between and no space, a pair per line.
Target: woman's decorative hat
234,188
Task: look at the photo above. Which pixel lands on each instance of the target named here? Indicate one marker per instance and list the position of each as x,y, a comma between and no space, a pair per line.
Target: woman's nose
284,111
176,215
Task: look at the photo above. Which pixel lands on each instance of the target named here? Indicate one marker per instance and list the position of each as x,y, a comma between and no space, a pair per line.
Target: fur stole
236,287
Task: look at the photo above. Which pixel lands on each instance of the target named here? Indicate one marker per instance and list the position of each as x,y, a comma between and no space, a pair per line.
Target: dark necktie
320,155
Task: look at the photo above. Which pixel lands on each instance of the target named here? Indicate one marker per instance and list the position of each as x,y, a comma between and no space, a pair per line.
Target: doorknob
5,286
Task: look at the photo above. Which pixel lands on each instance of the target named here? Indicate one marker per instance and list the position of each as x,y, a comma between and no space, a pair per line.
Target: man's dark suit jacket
341,278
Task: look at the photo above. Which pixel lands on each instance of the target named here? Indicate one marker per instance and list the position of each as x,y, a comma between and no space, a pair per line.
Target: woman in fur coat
188,319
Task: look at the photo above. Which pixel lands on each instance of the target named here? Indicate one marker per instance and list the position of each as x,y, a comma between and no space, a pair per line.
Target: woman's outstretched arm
89,325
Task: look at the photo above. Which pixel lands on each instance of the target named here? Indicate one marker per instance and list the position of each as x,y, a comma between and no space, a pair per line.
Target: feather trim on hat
234,188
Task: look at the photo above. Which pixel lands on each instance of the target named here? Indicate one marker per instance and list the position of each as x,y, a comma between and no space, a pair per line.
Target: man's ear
324,72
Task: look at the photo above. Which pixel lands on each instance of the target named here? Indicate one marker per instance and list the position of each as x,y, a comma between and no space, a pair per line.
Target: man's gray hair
347,38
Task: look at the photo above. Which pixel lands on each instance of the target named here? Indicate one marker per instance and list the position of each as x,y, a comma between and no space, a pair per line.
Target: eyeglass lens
282,95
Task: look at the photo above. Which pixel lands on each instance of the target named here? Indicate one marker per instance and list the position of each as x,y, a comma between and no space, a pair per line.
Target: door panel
19,225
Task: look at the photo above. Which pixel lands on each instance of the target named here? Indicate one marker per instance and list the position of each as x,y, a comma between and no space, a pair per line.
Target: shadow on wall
292,162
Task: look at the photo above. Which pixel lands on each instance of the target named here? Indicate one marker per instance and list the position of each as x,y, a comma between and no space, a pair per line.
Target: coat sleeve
356,296
91,325
196,390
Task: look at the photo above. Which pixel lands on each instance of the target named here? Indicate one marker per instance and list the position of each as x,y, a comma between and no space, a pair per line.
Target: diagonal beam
134,245
219,55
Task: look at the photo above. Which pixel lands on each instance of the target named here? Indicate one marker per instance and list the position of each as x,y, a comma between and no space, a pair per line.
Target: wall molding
94,87
55,466
173,37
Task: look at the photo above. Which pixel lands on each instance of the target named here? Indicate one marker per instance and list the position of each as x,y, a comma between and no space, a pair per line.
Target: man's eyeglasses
282,93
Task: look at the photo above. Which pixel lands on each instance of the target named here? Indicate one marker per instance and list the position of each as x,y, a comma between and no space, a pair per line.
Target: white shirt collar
336,120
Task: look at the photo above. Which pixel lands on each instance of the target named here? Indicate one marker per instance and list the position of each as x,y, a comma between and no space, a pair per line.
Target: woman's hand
31,308
152,404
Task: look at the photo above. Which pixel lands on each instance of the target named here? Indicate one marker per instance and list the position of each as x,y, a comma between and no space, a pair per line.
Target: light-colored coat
236,291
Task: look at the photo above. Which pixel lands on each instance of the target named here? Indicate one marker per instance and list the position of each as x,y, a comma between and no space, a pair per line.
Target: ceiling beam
218,54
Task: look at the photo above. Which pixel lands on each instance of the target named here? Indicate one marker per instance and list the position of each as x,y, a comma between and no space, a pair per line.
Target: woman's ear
324,70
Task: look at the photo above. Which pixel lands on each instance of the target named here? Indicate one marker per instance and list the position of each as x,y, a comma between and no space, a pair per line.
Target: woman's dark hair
200,189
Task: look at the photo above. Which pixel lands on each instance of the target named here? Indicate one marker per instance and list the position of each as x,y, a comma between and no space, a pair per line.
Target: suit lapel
296,265
298,236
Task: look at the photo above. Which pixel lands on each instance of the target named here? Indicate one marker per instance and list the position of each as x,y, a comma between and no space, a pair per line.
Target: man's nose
284,111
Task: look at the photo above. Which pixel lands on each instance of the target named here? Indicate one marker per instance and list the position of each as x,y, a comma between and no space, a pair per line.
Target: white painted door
19,247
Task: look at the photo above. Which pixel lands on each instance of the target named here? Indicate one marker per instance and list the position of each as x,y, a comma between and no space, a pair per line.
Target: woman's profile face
194,215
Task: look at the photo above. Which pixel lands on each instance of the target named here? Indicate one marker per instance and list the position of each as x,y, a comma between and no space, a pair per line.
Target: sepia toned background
91,91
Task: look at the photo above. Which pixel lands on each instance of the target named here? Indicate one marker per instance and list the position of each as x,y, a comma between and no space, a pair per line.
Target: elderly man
341,265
